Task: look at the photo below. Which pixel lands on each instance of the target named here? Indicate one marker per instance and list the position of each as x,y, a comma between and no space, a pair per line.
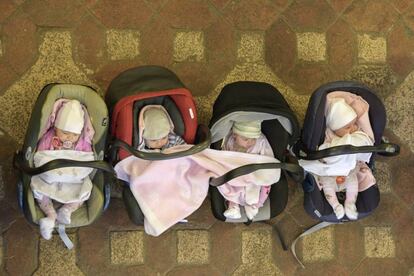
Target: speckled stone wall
294,45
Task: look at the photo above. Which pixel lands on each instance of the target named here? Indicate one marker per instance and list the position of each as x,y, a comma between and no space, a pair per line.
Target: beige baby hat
156,124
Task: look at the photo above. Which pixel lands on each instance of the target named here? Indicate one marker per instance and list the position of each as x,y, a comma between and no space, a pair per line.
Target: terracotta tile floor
294,45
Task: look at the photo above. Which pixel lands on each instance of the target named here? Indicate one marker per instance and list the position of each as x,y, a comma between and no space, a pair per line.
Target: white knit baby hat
156,124
339,114
70,117
250,129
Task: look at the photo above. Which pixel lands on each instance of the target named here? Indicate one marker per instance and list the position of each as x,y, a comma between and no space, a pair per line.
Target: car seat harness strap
385,149
204,144
64,237
311,230
246,169
21,164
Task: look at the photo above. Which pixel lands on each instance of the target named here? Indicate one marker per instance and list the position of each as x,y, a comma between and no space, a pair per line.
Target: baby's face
244,142
156,144
349,128
67,136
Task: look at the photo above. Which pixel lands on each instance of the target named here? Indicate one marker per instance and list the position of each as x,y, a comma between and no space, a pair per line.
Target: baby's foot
46,227
63,215
251,211
351,210
339,211
233,212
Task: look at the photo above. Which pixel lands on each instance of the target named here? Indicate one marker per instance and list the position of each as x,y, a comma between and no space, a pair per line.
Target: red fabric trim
184,104
122,115
123,127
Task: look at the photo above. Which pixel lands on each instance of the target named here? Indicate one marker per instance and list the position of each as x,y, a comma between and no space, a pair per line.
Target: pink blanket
170,190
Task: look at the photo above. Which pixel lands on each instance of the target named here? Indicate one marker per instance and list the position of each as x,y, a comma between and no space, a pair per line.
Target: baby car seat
101,177
248,101
313,135
127,94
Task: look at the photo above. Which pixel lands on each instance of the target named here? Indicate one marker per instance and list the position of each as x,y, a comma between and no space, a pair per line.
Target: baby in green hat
245,136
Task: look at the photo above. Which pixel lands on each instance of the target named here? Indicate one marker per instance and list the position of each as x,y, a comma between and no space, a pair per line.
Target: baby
63,136
157,129
247,137
341,119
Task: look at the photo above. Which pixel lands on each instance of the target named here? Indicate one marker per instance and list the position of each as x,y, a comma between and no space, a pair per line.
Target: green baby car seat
101,176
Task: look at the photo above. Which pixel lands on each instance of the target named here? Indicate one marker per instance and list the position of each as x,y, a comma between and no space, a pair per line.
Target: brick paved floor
294,45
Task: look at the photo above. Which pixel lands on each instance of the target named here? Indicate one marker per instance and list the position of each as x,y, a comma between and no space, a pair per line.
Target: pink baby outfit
48,133
332,184
237,194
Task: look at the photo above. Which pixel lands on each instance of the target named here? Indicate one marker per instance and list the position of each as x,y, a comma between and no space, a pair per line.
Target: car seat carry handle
205,143
385,149
246,169
311,230
20,163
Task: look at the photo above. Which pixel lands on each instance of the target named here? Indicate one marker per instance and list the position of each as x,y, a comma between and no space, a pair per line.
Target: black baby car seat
248,101
313,135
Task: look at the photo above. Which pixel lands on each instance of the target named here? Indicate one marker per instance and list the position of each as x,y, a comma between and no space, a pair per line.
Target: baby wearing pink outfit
64,134
247,137
341,119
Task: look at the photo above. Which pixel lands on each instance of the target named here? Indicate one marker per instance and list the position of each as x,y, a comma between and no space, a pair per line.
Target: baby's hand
340,180
56,143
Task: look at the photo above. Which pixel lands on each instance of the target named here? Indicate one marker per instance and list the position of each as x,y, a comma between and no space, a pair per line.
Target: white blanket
70,184
341,164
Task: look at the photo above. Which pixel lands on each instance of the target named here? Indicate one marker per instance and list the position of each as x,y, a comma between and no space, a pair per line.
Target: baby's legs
351,184
46,205
329,189
47,223
65,212
351,195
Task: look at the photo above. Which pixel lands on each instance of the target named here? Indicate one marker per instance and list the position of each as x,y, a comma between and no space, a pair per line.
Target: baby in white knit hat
68,125
247,137
341,119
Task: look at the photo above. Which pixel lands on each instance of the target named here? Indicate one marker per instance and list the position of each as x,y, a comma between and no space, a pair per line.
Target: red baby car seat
127,94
